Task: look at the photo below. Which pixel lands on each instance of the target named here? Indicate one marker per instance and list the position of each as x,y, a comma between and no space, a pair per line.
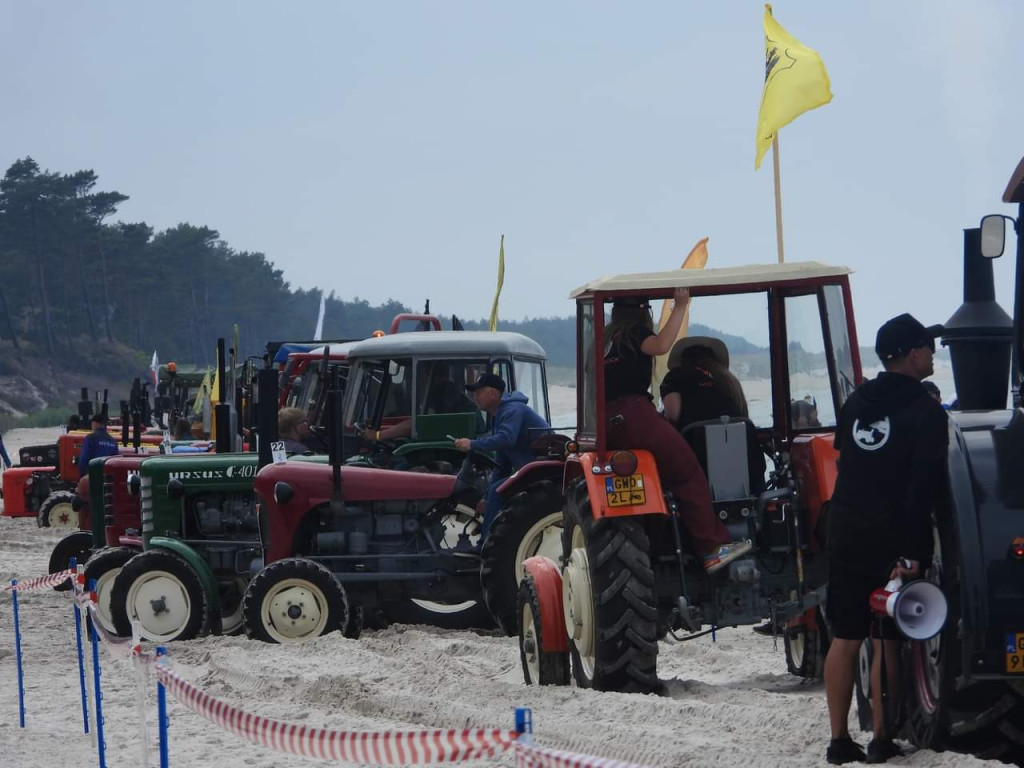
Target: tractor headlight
283,492
175,489
134,485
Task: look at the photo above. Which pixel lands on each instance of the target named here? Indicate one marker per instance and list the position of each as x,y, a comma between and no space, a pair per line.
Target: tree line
70,277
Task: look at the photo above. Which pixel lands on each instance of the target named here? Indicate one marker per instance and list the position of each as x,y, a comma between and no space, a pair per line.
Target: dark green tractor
201,545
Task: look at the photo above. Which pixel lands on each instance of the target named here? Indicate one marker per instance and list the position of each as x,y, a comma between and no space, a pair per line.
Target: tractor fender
548,581
535,471
201,568
596,472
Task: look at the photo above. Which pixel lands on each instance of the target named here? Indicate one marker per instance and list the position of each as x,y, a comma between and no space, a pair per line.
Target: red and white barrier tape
386,748
533,756
42,582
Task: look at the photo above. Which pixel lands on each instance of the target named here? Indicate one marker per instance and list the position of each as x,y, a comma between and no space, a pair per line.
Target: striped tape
42,582
533,756
384,748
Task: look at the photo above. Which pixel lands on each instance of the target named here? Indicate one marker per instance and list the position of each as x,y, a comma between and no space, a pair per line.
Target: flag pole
778,198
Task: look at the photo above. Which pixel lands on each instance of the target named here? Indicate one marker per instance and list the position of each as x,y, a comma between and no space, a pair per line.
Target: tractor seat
729,453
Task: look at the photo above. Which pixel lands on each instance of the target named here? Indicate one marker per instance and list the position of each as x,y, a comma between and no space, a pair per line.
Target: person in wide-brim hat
715,346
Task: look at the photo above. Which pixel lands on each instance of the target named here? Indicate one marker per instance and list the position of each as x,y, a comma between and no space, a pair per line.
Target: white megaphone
918,608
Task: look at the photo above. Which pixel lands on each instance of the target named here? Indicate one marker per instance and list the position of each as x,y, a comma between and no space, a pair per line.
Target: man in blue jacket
514,427
98,443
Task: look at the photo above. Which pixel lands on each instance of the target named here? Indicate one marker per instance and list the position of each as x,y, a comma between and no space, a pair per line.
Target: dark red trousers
641,427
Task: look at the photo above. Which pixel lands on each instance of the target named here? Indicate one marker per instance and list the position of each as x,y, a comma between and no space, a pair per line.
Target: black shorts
847,610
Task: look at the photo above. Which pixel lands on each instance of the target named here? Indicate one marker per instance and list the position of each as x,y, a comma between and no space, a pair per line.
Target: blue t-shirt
98,443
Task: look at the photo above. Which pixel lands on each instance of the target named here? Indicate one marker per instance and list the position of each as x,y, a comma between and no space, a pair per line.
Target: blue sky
380,149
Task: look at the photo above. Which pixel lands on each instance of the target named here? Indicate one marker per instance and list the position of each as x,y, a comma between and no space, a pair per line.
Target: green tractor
201,544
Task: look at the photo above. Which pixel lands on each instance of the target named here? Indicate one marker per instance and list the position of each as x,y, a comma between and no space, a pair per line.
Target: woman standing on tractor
634,423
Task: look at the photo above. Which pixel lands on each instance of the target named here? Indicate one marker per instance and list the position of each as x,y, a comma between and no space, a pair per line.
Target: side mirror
993,236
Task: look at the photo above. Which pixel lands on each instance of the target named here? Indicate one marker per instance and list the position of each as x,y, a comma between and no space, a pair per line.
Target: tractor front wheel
103,568
292,601
77,545
56,511
540,667
608,595
163,593
531,524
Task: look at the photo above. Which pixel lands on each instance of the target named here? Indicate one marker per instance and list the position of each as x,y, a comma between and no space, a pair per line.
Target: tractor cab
787,335
315,372
412,386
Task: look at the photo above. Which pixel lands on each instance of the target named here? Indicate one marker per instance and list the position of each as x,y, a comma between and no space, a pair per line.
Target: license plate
625,491
1015,653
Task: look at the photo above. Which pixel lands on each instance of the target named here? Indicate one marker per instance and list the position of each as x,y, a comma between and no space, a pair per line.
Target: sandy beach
729,701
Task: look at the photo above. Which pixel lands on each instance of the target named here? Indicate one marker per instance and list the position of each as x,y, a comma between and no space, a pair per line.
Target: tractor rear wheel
608,594
467,614
292,601
540,667
163,593
56,511
103,568
531,524
985,718
77,545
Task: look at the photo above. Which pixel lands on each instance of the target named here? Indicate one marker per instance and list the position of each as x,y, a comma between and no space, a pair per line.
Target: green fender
205,574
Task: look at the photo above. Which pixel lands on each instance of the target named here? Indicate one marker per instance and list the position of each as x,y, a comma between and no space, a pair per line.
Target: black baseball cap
487,380
898,336
99,418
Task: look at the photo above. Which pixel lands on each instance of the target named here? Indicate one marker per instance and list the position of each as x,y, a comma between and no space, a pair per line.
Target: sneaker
725,554
768,629
844,750
880,750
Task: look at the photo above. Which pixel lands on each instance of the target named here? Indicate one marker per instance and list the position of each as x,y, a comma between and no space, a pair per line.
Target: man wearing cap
514,428
97,443
892,438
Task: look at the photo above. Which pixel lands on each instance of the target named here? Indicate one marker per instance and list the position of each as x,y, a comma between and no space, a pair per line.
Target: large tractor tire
608,593
530,524
103,568
985,718
467,614
56,511
77,545
806,647
292,601
163,593
540,667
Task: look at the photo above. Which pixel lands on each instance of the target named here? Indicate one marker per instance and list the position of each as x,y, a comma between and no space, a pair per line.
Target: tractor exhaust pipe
265,408
979,335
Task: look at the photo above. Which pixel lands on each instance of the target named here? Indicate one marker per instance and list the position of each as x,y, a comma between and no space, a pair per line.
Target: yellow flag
795,81
215,389
501,280
696,259
202,394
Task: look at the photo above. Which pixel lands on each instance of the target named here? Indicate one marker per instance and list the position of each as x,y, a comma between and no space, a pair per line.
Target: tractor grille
108,499
146,496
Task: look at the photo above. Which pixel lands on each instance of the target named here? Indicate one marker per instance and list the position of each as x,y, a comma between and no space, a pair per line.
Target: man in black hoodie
892,438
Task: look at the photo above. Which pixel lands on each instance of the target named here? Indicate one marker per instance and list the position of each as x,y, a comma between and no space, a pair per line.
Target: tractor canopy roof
338,351
659,285
448,344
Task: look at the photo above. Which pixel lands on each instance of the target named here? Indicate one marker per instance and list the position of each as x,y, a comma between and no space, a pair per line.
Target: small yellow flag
795,81
501,281
696,259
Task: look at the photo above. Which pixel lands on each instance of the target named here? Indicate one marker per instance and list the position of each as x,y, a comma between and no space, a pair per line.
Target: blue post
81,658
17,647
161,713
524,724
101,746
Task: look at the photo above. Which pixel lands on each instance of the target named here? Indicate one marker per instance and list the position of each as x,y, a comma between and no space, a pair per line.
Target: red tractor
628,574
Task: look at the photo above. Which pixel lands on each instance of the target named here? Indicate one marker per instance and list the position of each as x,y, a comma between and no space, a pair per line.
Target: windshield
377,392
309,396
529,376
